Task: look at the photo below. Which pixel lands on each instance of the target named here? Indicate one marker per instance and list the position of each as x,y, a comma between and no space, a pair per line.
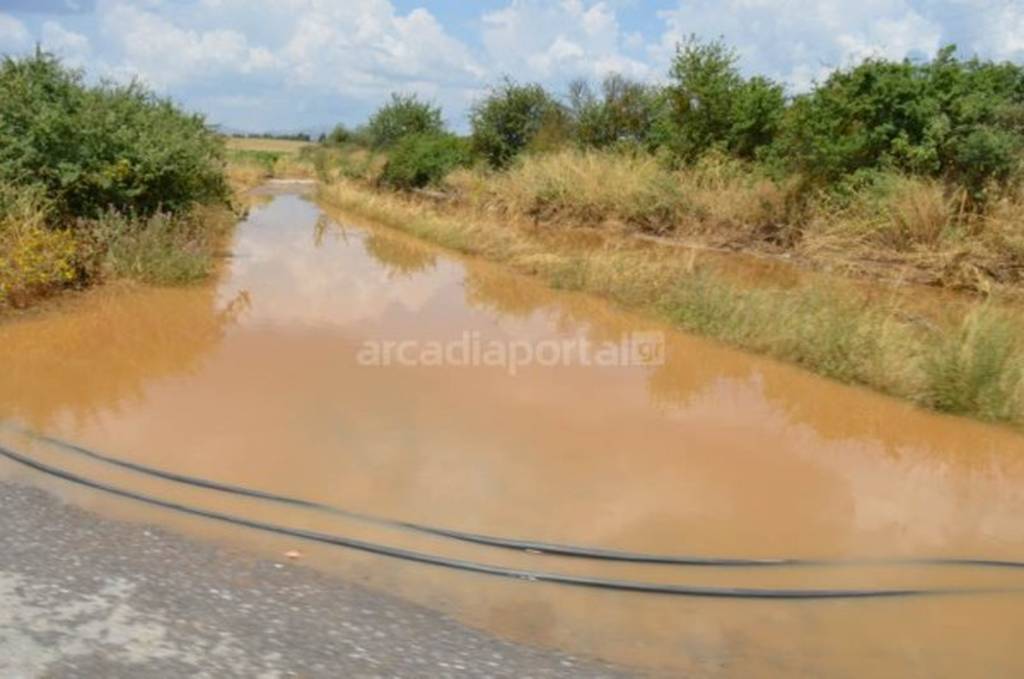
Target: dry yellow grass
728,201
919,213
719,197
1002,229
892,226
243,176
290,146
901,214
248,168
579,187
290,167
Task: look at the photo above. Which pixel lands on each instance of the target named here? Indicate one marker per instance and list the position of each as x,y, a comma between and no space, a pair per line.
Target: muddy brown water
255,380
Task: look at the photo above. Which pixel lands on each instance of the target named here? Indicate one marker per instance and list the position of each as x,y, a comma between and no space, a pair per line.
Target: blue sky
305,64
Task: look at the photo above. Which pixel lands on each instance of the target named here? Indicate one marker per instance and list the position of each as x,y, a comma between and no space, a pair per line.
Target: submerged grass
971,365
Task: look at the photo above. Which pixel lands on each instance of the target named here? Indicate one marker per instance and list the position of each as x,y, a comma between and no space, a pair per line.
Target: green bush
958,120
402,116
513,118
424,159
626,115
961,122
712,105
92,149
757,110
338,136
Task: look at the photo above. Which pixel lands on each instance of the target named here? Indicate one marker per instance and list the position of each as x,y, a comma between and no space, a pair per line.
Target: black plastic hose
500,571
534,547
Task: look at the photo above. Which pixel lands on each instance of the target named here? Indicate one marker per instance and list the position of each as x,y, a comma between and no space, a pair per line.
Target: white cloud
73,47
534,40
797,41
357,51
165,54
998,26
14,37
366,47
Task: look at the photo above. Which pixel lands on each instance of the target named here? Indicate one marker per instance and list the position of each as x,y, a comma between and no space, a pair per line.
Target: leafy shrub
626,115
757,110
402,116
104,147
958,120
339,135
512,118
714,106
33,258
420,160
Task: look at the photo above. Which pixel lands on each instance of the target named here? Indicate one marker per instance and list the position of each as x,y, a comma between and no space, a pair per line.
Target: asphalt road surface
83,596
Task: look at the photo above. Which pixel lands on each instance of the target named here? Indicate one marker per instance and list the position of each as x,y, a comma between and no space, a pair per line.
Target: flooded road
263,380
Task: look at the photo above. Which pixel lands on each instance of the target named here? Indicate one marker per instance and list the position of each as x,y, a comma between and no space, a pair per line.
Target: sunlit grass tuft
978,368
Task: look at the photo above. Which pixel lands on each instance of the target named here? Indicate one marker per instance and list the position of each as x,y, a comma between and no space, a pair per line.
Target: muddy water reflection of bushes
132,335
400,256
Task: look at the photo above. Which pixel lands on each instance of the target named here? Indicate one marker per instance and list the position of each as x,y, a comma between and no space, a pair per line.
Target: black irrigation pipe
533,547
500,571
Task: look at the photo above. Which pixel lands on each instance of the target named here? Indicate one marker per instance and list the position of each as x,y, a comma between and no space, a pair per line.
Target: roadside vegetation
905,170
901,171
99,182
251,160
911,172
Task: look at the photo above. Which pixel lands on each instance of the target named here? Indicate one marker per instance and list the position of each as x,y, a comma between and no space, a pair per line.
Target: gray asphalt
83,596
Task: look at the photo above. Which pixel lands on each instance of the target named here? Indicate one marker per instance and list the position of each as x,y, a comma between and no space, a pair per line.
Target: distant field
273,145
253,160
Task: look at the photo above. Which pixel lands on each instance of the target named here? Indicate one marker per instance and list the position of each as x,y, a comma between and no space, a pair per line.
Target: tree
400,117
339,135
513,117
419,160
714,106
626,112
757,110
95,148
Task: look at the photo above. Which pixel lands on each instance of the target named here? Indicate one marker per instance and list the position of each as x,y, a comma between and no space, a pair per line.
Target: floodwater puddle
315,367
